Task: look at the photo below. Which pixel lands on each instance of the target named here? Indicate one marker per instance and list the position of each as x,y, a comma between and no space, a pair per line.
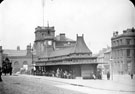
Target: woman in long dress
0,74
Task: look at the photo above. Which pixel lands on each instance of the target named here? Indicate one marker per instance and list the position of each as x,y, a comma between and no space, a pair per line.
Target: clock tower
44,41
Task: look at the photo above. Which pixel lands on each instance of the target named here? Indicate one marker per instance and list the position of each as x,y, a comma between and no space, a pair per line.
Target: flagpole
43,5
43,16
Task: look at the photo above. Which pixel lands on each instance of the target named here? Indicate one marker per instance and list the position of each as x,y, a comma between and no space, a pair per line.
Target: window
117,42
134,53
50,42
48,32
128,52
114,43
121,52
128,41
25,63
120,41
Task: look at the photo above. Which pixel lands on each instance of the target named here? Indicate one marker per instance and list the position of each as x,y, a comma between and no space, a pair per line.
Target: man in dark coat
131,75
0,74
108,75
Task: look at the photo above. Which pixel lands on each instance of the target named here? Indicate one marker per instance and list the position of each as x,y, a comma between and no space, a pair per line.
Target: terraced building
123,51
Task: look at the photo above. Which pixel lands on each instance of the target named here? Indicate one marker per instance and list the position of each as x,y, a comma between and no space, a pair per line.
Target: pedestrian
94,77
108,75
0,74
131,75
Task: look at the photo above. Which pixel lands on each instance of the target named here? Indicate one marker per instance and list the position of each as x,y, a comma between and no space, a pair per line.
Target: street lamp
33,64
32,54
111,68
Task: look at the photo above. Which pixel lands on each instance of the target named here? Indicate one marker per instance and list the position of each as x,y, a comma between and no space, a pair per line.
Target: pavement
119,83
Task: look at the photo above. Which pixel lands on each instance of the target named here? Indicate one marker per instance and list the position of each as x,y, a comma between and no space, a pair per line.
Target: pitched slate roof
79,47
61,52
15,52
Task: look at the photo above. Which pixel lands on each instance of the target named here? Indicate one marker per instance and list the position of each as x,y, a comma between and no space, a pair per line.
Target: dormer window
48,32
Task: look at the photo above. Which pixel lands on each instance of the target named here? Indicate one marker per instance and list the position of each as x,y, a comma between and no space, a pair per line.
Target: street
29,84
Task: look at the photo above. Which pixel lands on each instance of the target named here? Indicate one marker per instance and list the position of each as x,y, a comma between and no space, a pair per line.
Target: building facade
104,57
60,52
21,59
1,56
123,51
52,53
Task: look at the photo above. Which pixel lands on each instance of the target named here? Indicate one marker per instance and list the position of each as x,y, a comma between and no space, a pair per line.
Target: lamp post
32,55
33,64
111,68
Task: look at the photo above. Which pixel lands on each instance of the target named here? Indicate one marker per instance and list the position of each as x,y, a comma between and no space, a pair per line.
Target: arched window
16,63
16,67
25,63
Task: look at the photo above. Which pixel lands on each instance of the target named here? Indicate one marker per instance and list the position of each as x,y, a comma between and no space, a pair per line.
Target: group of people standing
0,74
60,73
63,74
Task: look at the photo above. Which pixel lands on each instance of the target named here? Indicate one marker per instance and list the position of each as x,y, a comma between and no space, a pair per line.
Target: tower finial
47,23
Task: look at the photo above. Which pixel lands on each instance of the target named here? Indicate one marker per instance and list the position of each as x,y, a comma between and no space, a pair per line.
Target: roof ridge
80,46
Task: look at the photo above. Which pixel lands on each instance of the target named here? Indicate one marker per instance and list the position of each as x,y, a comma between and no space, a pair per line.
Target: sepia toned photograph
67,47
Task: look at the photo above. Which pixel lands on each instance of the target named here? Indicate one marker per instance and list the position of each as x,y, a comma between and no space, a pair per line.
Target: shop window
128,52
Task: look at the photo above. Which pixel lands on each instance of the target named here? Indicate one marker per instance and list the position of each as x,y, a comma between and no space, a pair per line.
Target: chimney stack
29,49
18,48
124,31
117,33
62,36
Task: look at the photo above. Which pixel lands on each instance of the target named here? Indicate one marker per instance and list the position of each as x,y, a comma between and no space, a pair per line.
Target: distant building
1,56
21,59
103,58
123,51
63,53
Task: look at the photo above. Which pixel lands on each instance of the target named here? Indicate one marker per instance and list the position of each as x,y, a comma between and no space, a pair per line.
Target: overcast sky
96,19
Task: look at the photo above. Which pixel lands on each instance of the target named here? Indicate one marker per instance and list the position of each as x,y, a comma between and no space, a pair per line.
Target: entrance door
16,67
25,65
76,69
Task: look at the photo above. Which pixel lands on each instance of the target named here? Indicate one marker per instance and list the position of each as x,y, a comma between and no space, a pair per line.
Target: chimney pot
18,48
62,36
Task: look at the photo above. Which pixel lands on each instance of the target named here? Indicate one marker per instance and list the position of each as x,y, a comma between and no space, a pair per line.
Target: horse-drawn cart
7,66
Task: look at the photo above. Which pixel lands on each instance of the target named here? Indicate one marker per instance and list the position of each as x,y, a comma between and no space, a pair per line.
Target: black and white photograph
67,47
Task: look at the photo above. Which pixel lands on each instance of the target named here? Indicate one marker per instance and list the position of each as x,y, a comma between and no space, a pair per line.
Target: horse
6,66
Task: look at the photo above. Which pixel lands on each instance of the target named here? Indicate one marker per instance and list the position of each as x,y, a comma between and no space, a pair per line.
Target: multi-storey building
20,59
123,51
63,53
104,57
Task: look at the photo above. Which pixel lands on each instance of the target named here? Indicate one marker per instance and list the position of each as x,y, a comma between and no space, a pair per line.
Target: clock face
49,42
